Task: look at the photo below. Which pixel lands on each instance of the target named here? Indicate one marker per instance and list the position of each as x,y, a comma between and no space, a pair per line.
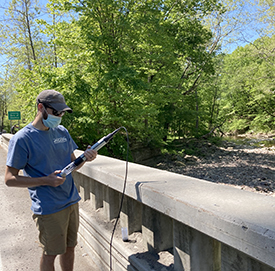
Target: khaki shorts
59,230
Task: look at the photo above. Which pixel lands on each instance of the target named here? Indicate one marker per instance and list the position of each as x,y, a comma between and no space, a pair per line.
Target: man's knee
47,262
48,258
70,249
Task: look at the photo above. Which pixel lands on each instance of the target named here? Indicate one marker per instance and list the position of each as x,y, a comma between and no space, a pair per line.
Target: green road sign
14,115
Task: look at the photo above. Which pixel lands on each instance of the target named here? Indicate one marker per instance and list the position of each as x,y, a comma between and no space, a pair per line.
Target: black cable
123,193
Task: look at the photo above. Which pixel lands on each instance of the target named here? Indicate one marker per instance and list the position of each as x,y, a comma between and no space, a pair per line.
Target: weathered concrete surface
19,246
240,219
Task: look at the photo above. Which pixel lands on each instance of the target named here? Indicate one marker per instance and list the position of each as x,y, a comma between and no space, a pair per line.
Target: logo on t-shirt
60,140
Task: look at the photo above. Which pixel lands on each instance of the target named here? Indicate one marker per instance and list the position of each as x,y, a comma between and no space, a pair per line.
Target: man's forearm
23,181
12,178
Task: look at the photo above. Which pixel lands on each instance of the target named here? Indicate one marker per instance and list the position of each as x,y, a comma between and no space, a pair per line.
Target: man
42,149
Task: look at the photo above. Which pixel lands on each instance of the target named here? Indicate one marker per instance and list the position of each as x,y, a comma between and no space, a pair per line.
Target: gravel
247,165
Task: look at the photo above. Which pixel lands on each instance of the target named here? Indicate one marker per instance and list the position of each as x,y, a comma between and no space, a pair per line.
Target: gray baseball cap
54,99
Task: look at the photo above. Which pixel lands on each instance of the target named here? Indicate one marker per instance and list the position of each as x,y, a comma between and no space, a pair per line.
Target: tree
248,87
137,60
3,104
137,64
18,33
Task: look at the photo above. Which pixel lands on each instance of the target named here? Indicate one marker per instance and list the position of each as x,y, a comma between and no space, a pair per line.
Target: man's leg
47,262
67,259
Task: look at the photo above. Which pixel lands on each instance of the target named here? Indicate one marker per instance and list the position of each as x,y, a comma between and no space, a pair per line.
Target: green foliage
144,65
133,65
248,89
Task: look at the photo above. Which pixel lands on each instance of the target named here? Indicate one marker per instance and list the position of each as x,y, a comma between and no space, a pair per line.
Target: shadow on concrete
153,261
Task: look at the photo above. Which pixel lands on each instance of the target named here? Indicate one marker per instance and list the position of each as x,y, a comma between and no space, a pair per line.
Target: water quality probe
98,145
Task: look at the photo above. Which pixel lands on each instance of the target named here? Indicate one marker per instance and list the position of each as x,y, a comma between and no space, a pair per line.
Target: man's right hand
54,180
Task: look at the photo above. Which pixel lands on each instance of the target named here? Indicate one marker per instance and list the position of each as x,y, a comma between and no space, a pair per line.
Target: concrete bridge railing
174,222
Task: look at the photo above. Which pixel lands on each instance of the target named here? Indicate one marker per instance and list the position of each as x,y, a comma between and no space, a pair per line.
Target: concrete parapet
110,203
194,250
131,215
157,230
213,213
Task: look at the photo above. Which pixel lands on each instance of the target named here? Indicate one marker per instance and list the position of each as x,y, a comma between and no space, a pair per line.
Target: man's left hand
90,154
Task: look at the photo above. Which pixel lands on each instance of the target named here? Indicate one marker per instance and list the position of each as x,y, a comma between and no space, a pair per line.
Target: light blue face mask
52,121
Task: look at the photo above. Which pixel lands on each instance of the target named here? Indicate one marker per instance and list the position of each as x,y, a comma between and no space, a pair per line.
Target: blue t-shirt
39,153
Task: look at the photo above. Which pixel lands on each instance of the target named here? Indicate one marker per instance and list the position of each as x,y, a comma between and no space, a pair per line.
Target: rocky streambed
247,163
